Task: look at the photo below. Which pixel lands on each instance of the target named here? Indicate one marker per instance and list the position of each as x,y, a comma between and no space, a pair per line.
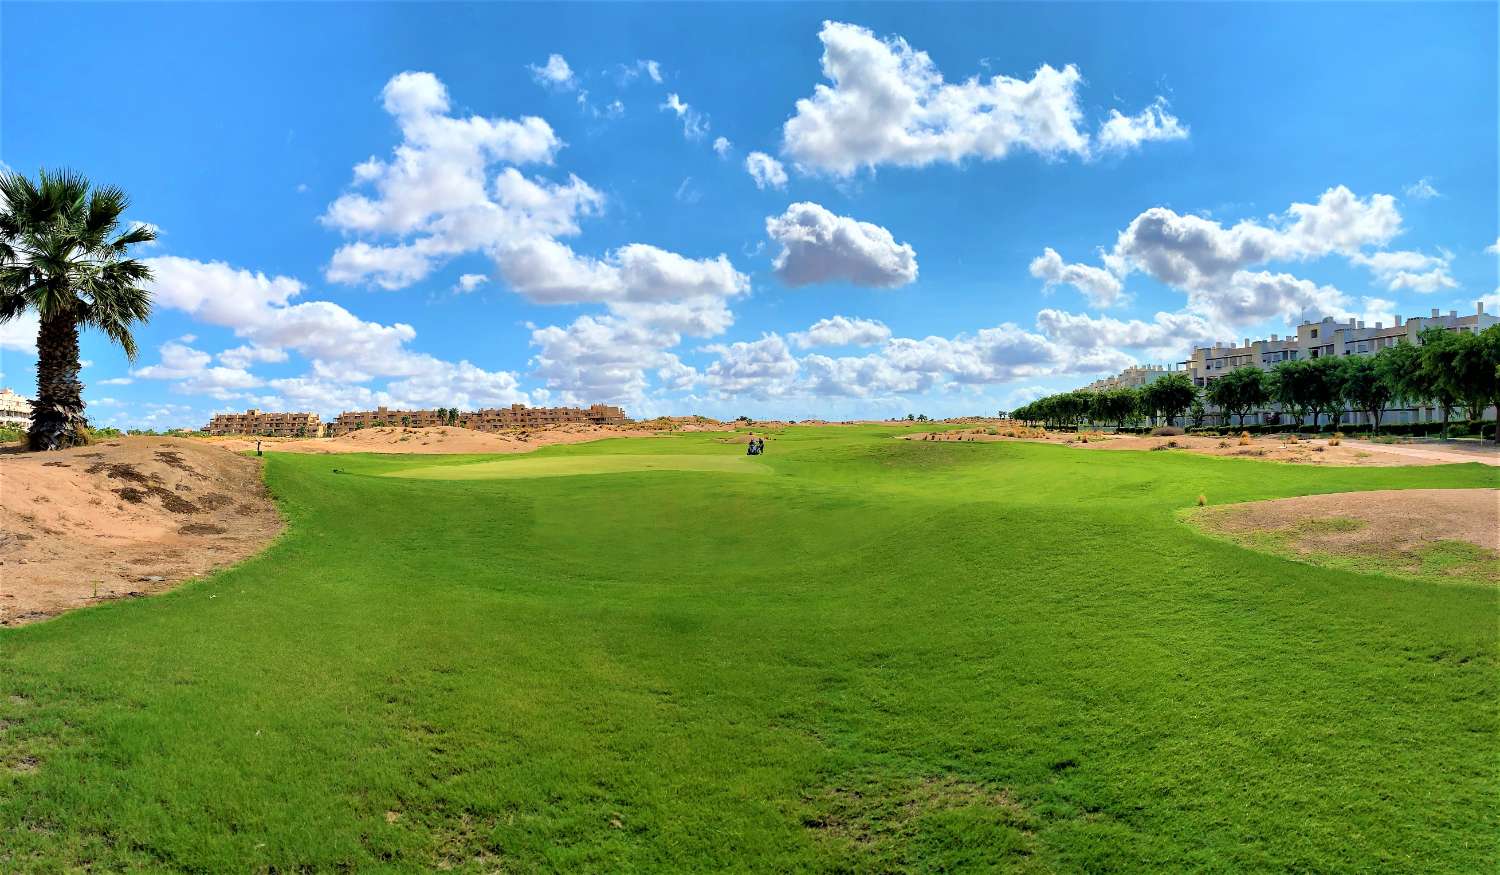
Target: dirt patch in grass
892,825
123,519
1442,535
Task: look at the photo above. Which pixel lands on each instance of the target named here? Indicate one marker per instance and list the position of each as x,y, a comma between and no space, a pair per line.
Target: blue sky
1200,172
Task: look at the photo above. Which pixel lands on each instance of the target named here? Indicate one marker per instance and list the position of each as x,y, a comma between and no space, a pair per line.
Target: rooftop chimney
1434,312
1452,314
1480,308
1247,341
1379,325
1397,323
1361,323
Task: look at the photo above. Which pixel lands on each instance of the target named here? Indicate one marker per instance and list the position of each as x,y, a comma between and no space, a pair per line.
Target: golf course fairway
870,655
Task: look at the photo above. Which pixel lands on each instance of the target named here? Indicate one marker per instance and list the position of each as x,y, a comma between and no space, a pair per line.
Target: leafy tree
1325,387
1472,362
1364,388
1491,337
1399,367
1239,390
1435,373
1114,405
1286,388
1168,396
1197,411
63,256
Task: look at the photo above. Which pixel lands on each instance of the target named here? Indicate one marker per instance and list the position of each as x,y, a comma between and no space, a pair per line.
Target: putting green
565,466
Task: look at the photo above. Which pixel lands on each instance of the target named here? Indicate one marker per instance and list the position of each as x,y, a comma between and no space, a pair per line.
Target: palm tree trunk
57,416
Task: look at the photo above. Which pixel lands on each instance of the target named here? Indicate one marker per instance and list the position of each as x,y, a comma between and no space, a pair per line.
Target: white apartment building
1312,340
1331,337
15,410
1327,337
1133,377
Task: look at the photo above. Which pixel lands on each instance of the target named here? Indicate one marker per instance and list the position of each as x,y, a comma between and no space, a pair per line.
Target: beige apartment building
383,416
521,416
485,419
255,422
15,410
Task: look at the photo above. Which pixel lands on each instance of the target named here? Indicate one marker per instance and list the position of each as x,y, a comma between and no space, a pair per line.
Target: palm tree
61,257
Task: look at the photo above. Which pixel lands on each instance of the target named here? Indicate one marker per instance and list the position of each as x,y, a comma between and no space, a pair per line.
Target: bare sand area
1275,448
1434,534
123,518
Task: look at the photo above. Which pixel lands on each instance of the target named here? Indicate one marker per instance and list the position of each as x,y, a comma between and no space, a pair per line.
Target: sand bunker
564,466
1428,534
1274,448
439,439
123,518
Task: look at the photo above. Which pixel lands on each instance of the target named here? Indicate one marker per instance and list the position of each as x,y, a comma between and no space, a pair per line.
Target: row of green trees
1446,370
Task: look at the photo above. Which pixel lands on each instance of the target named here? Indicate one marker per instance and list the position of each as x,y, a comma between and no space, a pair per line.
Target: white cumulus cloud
1102,288
818,247
1122,132
555,73
841,331
765,170
1407,269
888,103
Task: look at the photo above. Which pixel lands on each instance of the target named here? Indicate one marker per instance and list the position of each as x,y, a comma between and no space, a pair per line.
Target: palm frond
12,305
141,233
106,205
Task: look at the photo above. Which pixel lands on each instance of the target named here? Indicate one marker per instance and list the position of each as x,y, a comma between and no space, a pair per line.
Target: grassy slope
887,655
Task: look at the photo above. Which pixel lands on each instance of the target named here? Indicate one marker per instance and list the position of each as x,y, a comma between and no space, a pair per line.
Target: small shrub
1291,439
1223,444
1202,500
1244,438
1318,449
1166,431
1337,438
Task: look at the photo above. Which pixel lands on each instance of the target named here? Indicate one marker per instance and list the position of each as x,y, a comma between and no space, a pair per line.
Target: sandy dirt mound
439,439
123,518
1275,448
1426,533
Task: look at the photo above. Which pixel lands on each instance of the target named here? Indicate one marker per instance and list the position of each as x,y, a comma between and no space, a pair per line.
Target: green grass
571,465
881,656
